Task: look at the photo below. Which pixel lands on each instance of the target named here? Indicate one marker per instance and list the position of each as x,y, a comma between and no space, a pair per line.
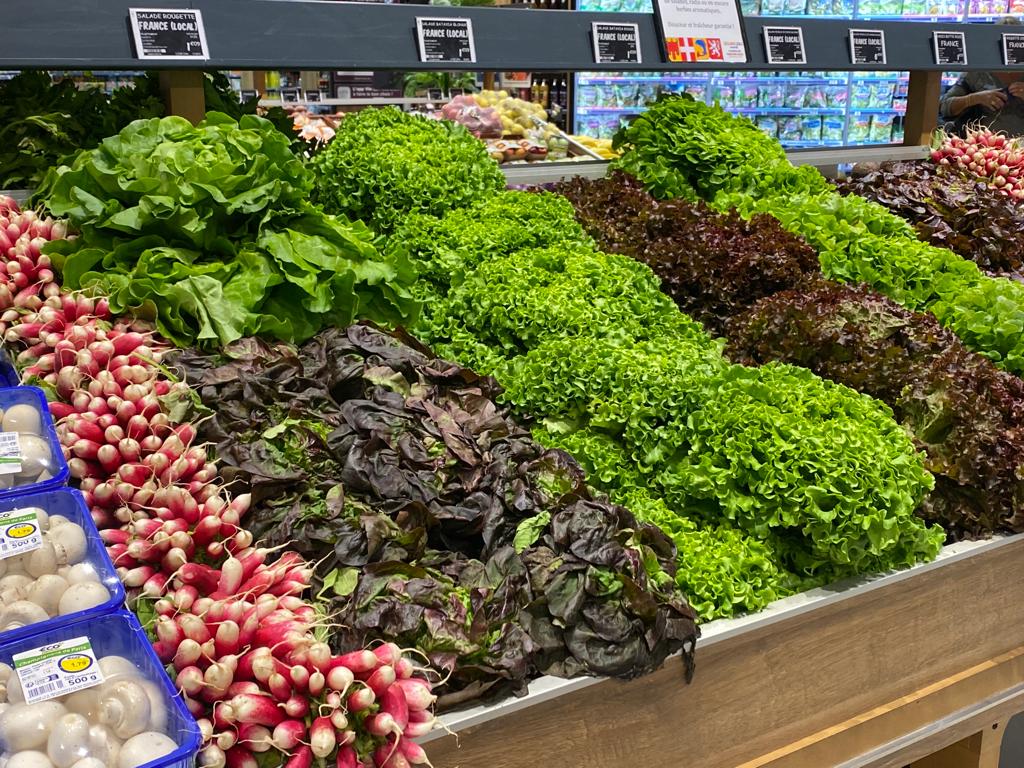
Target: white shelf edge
546,688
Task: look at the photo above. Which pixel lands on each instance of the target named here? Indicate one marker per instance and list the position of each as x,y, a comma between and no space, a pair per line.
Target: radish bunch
230,618
26,275
991,156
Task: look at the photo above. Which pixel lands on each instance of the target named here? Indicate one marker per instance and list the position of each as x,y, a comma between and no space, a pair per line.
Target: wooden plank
923,92
980,750
902,656
183,93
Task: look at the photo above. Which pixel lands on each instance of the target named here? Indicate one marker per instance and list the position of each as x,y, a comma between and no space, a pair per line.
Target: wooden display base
922,669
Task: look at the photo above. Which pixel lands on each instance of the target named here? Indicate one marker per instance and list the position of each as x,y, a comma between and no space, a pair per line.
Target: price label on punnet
58,669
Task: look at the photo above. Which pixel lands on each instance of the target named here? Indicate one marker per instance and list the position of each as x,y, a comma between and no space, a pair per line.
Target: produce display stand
922,667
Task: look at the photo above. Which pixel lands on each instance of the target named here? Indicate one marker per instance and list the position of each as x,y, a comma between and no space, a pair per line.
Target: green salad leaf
207,231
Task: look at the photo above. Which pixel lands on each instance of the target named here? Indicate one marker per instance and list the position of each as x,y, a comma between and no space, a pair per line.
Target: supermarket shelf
786,610
405,101
610,110
643,79
305,34
877,111
786,111
547,173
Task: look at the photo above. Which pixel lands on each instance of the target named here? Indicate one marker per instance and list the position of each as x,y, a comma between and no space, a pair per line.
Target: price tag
1013,49
312,96
19,532
701,30
867,46
445,39
616,43
785,45
51,671
291,95
165,33
10,453
950,48
248,95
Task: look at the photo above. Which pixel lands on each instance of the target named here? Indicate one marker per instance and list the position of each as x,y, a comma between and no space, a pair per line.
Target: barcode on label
10,453
43,690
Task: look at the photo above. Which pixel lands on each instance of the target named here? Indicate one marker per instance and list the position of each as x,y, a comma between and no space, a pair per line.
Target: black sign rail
950,48
445,39
616,43
784,45
162,34
867,46
1013,49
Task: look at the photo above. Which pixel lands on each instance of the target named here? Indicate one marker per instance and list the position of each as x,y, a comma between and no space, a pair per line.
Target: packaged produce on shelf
54,567
30,454
602,146
92,693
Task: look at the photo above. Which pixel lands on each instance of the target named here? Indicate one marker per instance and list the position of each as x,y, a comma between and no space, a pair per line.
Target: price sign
616,43
1013,49
785,45
867,46
291,95
248,95
701,30
950,48
445,39
164,33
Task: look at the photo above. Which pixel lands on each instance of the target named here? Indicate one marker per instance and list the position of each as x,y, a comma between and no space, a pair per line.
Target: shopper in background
993,99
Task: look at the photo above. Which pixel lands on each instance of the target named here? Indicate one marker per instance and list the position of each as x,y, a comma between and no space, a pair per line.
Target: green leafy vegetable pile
384,164
966,414
42,122
208,231
437,521
761,287
586,342
949,208
680,144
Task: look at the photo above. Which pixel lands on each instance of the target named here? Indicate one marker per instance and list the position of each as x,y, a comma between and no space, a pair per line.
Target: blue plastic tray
35,397
8,373
70,504
120,633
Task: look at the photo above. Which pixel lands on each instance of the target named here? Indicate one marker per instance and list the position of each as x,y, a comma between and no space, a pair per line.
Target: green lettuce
207,231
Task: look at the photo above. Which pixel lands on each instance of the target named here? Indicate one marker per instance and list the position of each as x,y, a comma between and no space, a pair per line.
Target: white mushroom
22,418
21,613
28,726
82,572
158,715
85,702
124,708
47,591
36,457
42,560
80,597
30,759
15,583
104,745
141,749
69,542
116,667
68,741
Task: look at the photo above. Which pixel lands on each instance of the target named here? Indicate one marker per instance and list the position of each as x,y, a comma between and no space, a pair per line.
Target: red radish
417,693
322,739
259,710
301,758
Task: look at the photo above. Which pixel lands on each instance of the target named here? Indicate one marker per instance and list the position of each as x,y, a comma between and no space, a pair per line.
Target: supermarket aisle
1013,744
